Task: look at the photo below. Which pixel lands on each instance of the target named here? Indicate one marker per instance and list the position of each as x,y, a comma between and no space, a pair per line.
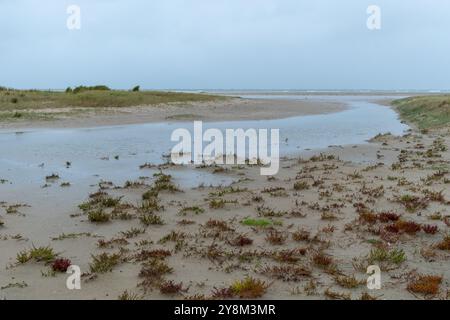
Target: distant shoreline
232,109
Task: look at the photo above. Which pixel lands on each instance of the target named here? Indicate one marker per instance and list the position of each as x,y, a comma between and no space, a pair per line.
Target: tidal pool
115,153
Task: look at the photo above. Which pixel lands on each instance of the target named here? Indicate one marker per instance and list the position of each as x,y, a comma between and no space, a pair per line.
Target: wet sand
325,220
228,110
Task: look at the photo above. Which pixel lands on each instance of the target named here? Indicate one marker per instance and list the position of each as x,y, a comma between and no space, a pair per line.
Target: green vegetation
426,112
256,222
104,262
45,254
30,104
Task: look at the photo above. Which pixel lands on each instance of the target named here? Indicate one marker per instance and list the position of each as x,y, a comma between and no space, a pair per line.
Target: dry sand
325,218
230,109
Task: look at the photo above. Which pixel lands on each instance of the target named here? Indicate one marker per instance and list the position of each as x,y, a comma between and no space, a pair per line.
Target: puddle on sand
115,153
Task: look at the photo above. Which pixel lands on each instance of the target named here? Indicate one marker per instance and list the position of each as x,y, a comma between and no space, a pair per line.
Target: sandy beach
310,232
227,110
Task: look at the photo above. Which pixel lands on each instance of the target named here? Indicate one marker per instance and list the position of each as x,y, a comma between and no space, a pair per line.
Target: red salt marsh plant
444,244
241,241
171,288
368,217
275,237
425,284
61,265
388,217
409,227
430,229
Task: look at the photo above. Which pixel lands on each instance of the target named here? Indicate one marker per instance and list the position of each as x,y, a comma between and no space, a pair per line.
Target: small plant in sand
266,212
229,190
385,256
164,182
222,293
326,215
322,260
301,185
153,272
336,295
430,229
275,237
220,203
217,203
171,288
145,255
444,244
241,241
409,227
355,175
413,203
256,222
99,201
61,265
437,196
129,296
286,273
249,288
173,236
104,262
98,216
132,233
38,254
386,217
368,217
52,177
151,219
150,205
218,224
348,282
425,284
275,191
301,235
195,210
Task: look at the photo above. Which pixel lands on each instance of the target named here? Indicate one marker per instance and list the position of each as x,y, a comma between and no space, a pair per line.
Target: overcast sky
226,44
